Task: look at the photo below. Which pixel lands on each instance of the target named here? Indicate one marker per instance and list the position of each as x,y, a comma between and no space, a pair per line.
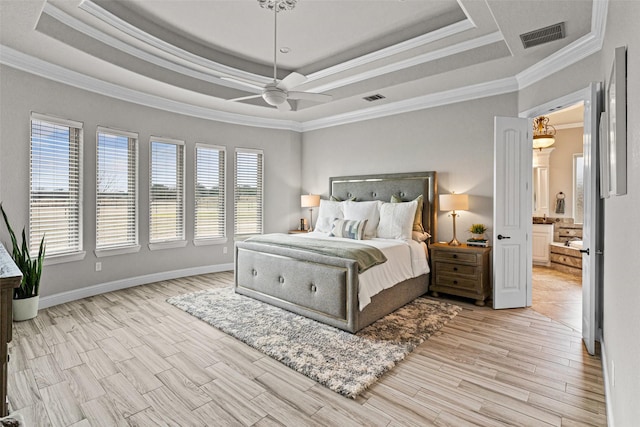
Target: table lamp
310,201
453,203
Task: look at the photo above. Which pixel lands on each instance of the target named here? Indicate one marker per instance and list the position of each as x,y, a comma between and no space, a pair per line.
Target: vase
25,309
476,236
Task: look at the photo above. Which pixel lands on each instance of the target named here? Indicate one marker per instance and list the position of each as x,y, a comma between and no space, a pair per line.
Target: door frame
583,95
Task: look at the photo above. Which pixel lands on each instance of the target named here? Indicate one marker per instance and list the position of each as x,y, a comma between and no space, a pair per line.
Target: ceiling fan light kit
278,93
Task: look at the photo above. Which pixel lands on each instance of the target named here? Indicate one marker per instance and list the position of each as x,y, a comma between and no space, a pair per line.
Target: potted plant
477,231
25,296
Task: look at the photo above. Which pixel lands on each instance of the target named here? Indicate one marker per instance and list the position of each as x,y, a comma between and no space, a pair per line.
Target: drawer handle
455,255
455,282
455,268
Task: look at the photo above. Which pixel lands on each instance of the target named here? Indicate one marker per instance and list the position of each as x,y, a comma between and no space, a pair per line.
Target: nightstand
461,270
297,231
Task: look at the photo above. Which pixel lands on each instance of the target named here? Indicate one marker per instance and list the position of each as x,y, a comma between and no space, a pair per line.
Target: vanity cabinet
542,236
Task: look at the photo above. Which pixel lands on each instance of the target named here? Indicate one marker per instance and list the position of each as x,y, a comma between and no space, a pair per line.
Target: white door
592,250
512,213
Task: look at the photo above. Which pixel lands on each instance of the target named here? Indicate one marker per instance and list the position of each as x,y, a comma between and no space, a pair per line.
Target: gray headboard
382,186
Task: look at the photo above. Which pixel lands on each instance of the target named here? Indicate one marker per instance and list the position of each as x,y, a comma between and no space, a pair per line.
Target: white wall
454,140
621,298
23,93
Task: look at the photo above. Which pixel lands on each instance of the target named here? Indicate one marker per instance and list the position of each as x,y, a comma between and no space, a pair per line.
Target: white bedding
405,259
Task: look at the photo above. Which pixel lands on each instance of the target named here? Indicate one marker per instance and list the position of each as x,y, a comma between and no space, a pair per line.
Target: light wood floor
129,358
558,295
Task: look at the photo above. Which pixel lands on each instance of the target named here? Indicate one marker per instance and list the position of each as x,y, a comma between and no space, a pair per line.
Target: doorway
558,212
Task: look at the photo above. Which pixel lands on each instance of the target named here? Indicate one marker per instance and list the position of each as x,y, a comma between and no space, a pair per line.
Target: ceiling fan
278,93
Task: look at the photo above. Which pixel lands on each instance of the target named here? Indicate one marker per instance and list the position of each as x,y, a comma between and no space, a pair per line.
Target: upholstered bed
325,287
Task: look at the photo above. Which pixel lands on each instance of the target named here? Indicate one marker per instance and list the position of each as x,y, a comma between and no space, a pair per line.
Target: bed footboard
320,287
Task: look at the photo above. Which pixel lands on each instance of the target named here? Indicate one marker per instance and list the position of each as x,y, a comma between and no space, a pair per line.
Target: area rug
345,363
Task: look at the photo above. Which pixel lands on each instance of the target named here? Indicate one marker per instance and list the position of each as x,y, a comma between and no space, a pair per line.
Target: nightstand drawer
448,268
457,282
465,257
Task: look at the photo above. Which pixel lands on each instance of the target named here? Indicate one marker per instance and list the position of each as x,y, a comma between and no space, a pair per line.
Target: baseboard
607,389
89,291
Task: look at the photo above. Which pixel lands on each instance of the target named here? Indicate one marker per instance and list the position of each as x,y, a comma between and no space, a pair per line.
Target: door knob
500,237
585,251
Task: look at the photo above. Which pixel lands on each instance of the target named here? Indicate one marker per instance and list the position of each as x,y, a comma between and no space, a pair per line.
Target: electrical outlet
613,374
98,266
224,250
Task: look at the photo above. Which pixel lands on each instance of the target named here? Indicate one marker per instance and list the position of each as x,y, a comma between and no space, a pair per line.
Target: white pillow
327,213
396,220
361,211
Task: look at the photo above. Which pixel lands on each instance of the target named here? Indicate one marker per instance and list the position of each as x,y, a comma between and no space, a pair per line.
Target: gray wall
621,297
23,93
454,140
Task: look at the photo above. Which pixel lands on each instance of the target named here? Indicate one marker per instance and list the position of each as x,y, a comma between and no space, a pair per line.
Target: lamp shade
309,200
454,202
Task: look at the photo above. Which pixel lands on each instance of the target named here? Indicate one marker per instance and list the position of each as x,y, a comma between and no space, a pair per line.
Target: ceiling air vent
375,97
543,35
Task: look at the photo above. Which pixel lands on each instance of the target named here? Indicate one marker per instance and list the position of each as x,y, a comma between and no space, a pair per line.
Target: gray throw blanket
365,255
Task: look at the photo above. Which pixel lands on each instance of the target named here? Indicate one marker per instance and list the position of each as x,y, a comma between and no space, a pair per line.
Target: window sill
62,258
167,245
210,242
100,253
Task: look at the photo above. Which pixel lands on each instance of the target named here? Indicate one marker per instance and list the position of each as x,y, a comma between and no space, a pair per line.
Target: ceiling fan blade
309,96
292,80
243,98
285,106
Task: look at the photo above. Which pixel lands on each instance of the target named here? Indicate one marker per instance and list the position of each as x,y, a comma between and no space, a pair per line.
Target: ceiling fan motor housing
274,95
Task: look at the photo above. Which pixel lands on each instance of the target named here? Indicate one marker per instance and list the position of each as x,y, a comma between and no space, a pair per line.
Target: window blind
55,205
210,221
248,192
166,193
116,189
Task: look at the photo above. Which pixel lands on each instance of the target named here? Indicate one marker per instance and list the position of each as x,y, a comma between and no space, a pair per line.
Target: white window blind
210,192
166,192
116,189
55,204
248,192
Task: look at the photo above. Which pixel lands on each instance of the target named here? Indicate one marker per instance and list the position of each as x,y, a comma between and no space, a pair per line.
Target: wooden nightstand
461,270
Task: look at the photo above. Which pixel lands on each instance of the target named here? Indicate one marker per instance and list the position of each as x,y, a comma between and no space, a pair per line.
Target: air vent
375,97
543,35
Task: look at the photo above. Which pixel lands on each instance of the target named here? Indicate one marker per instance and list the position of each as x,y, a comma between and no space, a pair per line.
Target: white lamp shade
454,202
543,141
309,200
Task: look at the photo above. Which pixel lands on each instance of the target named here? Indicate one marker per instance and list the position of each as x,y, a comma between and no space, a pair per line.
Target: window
210,222
248,192
116,191
55,203
166,193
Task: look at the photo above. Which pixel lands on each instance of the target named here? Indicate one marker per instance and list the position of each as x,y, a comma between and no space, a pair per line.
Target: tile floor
558,295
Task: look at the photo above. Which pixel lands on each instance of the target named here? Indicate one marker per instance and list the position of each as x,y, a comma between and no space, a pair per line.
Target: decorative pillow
327,213
361,211
338,199
417,221
396,220
419,236
349,228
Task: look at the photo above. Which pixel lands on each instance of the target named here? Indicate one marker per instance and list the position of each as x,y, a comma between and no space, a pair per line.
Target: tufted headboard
381,187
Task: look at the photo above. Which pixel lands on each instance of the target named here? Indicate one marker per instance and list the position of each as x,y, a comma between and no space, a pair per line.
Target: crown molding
571,53
413,43
416,60
133,31
465,93
39,67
